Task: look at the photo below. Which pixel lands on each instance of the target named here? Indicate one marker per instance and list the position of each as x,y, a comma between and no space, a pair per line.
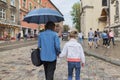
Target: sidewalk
111,54
2,43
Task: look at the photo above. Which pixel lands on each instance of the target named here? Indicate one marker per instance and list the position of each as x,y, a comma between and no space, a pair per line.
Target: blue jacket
49,43
104,35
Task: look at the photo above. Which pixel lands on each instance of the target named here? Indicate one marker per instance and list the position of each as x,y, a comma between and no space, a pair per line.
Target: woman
49,43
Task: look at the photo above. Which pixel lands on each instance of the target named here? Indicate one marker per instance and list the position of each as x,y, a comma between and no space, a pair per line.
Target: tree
65,28
75,13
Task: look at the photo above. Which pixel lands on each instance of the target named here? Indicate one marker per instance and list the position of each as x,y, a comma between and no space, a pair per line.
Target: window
3,0
12,17
116,17
104,2
30,6
39,1
2,13
12,2
117,8
24,3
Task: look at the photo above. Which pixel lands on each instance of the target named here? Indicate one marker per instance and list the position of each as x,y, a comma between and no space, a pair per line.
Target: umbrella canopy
43,15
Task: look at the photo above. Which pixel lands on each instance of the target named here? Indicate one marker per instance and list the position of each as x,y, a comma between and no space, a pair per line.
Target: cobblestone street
16,65
26,25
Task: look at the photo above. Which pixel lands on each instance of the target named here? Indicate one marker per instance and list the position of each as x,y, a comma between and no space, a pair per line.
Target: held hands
83,64
58,56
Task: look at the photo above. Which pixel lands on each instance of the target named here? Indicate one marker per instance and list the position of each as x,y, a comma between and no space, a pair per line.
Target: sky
65,6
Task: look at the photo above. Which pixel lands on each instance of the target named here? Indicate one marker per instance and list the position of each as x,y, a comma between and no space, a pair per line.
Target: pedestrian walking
111,37
75,56
49,43
95,39
90,38
105,39
99,36
80,37
19,36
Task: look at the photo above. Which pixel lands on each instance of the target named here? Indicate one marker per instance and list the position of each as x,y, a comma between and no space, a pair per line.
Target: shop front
8,31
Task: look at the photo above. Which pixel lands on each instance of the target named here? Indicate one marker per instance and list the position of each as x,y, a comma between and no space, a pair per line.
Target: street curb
11,42
105,58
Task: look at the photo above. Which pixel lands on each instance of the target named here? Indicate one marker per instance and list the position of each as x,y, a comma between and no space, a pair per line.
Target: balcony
103,18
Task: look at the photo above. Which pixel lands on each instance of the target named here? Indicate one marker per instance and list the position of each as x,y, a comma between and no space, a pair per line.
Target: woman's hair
50,25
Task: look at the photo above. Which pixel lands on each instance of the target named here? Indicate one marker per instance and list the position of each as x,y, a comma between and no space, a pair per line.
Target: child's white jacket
74,51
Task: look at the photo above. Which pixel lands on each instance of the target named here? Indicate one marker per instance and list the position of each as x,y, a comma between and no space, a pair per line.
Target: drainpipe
109,13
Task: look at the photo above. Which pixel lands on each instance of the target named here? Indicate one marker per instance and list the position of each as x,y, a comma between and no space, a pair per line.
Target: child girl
75,56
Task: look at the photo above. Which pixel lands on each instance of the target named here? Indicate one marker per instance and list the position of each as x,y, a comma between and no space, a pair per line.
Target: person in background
49,43
75,56
105,38
80,37
99,36
90,37
19,36
96,39
111,37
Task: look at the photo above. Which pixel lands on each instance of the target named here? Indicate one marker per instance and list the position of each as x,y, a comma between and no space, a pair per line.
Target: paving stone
16,65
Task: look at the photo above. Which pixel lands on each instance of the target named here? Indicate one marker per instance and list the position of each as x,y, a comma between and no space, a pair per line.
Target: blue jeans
81,40
71,67
112,40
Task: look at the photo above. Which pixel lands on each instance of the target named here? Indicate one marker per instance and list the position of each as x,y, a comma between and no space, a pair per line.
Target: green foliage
65,28
75,13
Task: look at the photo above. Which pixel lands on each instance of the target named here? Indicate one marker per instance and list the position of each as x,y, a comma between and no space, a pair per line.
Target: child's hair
73,34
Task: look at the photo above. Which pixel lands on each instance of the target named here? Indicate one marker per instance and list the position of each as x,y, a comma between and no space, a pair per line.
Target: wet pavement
16,44
111,54
16,65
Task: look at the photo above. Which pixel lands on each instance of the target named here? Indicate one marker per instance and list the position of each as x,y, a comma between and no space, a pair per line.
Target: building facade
115,17
100,14
94,14
27,5
9,19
